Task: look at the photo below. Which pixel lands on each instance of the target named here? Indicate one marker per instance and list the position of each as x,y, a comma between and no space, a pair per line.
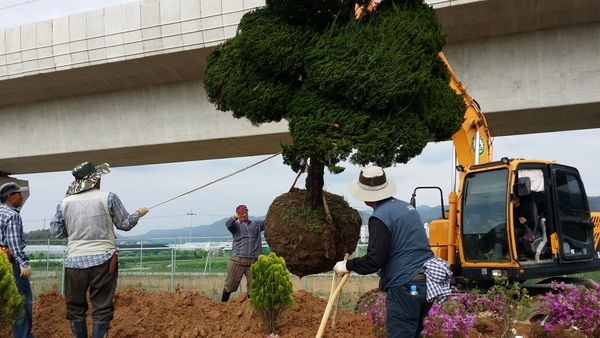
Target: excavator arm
474,132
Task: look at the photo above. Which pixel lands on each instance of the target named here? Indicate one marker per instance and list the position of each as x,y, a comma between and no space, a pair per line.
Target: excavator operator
523,216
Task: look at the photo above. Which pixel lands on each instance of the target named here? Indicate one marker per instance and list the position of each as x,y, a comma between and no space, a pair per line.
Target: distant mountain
428,213
218,229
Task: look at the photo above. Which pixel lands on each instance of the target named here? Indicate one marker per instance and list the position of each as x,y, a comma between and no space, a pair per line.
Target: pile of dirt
190,315
308,242
140,314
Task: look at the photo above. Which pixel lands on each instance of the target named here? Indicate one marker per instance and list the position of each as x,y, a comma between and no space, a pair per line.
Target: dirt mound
190,315
304,238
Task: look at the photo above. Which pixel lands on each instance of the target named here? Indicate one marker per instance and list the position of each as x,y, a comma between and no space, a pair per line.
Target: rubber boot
225,296
100,330
79,328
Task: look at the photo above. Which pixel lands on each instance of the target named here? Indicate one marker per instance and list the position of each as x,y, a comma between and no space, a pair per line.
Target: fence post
141,252
173,262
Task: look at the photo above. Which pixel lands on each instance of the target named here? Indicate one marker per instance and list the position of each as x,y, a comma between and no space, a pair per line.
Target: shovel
333,299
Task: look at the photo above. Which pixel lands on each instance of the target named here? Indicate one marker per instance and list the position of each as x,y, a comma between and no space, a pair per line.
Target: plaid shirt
122,220
438,276
11,233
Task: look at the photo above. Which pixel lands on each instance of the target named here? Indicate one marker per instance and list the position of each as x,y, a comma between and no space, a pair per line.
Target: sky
257,187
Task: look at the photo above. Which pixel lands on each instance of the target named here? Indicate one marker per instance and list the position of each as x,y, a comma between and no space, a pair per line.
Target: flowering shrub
376,314
450,319
574,308
501,304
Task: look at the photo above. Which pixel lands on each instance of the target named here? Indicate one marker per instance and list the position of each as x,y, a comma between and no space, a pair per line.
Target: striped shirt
121,219
377,250
11,233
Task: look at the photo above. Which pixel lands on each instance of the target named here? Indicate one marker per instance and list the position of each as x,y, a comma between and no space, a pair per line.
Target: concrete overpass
124,84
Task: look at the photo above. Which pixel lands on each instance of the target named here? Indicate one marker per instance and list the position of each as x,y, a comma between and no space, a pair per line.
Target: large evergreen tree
370,90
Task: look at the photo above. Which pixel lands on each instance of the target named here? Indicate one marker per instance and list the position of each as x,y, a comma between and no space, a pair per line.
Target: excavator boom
474,133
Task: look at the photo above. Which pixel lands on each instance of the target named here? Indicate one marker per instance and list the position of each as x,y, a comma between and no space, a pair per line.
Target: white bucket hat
372,185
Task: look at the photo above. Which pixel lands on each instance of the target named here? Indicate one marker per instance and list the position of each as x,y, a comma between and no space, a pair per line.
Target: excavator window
484,234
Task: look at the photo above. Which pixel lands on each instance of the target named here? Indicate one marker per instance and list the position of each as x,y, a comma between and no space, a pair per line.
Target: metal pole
141,252
173,262
191,217
48,259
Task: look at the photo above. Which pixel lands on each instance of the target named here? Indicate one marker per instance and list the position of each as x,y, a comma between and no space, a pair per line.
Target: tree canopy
371,90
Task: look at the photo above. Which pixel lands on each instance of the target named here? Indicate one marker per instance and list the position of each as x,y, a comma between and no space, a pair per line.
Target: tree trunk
314,182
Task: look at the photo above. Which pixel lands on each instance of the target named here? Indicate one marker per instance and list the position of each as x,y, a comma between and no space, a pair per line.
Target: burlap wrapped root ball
303,237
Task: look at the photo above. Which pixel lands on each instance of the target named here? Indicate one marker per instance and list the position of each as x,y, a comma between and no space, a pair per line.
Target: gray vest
88,223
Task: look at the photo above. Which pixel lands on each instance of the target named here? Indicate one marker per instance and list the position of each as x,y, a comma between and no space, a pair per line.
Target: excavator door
574,226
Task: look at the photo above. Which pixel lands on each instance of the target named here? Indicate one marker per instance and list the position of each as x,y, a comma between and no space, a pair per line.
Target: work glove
25,271
340,268
142,211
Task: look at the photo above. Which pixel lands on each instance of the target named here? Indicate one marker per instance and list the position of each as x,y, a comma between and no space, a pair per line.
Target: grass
313,217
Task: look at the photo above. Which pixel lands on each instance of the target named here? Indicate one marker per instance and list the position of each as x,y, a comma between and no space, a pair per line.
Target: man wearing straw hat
398,248
87,216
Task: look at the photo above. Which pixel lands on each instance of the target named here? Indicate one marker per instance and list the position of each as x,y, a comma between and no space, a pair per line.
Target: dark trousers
21,328
101,285
405,312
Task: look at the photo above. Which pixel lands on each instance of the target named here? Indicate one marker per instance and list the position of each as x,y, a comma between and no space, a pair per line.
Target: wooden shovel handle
332,299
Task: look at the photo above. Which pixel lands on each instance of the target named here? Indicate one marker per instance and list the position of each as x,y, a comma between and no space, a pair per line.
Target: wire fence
183,264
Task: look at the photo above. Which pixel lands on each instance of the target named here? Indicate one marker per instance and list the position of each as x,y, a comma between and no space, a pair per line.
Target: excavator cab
477,233
559,237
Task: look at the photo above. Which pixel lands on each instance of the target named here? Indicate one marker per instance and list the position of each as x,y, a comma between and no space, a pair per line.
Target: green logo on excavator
481,145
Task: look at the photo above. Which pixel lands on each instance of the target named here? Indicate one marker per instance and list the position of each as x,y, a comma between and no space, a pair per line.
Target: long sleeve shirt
377,249
247,241
11,233
121,219
524,210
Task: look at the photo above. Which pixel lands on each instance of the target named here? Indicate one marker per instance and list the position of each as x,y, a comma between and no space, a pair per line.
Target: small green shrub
271,289
11,302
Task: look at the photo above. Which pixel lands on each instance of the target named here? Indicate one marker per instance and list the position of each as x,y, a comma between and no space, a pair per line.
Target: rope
217,180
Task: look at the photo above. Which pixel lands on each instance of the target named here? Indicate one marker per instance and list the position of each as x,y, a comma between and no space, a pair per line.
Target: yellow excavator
477,233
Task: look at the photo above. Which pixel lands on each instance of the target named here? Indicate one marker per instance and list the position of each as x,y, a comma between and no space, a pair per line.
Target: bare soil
190,315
